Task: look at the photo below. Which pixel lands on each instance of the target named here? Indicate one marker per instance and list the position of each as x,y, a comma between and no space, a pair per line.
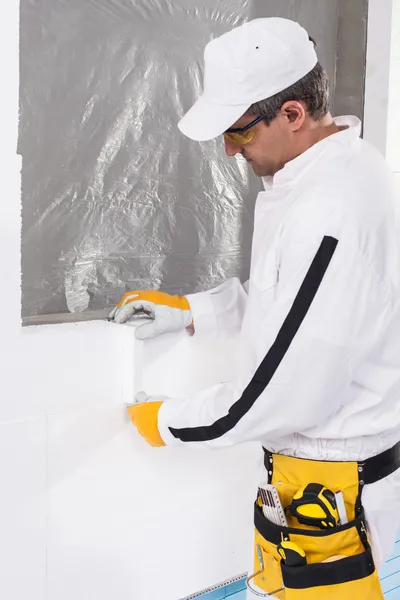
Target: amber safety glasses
242,135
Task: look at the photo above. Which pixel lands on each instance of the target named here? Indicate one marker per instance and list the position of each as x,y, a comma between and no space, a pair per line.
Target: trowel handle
139,399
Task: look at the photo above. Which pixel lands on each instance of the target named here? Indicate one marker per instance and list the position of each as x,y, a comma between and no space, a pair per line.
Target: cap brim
205,120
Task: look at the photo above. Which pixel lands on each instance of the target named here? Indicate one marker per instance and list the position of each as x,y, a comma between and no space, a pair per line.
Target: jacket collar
297,167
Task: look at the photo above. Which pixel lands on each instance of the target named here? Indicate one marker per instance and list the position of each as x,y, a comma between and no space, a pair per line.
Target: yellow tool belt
339,560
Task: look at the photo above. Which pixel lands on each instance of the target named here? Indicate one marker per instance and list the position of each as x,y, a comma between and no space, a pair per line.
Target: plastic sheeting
114,197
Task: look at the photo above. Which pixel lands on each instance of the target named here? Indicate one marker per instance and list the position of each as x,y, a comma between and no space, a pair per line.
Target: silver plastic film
114,196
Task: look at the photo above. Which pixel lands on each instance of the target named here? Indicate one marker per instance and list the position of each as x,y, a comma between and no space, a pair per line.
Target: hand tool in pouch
314,505
260,572
341,508
291,554
271,504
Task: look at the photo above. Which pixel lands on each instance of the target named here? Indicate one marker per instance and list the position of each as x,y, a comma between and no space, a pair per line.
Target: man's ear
295,113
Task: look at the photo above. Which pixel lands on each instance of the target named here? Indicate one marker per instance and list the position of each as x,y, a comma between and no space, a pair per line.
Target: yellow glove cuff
145,418
156,297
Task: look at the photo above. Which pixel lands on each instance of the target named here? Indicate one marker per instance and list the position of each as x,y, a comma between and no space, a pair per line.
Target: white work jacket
318,374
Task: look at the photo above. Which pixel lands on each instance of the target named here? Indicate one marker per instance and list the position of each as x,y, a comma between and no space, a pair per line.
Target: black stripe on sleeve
275,354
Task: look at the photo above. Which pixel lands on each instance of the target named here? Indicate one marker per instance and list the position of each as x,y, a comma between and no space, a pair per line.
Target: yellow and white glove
168,313
144,415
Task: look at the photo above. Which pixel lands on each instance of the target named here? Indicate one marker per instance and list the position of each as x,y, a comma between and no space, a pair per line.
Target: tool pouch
339,561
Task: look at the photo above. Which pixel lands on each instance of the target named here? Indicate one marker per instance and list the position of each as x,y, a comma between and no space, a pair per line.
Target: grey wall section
114,197
351,57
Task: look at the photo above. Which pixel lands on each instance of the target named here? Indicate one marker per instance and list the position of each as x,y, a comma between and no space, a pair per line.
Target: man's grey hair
313,90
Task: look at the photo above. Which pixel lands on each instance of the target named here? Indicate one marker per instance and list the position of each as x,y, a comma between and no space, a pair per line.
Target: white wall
120,513
47,375
377,75
87,509
382,102
94,510
393,138
382,86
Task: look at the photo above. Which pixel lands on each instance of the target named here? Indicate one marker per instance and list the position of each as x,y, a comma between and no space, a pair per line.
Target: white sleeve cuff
166,416
203,312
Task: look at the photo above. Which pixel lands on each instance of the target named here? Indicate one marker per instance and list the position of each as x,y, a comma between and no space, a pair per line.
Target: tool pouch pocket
270,579
343,579
339,562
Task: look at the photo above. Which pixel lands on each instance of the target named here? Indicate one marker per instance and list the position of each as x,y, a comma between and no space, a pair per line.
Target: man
319,377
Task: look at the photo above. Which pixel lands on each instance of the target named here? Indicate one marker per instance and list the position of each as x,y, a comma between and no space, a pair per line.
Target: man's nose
231,148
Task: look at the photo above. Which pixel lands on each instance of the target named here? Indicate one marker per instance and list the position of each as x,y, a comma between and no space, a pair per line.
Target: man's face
269,150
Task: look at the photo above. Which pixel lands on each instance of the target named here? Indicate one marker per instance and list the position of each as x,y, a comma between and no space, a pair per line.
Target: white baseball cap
250,63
